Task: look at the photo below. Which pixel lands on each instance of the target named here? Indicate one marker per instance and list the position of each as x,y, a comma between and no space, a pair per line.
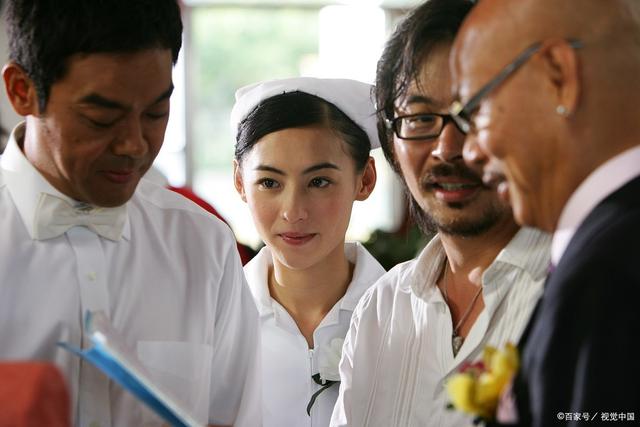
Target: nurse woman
301,160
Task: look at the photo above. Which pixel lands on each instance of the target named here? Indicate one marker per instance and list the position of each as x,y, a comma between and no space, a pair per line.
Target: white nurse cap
352,97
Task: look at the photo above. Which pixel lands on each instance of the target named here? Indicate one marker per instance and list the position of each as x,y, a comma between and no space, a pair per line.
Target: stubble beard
451,224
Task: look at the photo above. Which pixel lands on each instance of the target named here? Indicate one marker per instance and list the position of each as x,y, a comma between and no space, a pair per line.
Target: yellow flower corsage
476,389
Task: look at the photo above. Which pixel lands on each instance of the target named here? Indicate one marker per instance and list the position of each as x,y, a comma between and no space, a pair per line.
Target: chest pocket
182,368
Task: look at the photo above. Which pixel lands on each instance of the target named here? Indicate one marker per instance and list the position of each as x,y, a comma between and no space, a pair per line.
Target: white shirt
172,286
287,361
397,353
602,182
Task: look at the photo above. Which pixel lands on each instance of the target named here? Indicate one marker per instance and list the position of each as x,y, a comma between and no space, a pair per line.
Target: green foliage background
236,47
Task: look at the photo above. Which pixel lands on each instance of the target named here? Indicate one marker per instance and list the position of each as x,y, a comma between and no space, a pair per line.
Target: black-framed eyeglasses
419,126
461,114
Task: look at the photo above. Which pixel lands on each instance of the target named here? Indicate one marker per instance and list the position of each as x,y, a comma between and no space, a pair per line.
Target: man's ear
20,90
562,64
238,182
367,181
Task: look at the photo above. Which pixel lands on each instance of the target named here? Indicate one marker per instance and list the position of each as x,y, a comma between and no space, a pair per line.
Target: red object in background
245,252
33,394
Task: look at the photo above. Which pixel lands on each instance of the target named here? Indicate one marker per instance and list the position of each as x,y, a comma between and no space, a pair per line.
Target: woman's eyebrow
325,165
310,169
269,169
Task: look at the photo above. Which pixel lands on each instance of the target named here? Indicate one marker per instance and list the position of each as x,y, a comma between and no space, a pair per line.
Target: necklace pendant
456,343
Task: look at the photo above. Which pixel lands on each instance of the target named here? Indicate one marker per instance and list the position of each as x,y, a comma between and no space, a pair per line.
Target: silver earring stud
562,110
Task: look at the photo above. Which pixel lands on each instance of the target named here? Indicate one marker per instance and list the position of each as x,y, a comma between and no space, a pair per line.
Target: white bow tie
54,216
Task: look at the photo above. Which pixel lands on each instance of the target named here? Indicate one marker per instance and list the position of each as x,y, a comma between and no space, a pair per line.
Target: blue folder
109,355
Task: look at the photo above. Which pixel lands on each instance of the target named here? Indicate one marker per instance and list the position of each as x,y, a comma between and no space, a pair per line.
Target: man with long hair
475,284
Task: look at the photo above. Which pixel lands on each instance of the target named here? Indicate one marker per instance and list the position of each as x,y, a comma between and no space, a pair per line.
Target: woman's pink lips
296,239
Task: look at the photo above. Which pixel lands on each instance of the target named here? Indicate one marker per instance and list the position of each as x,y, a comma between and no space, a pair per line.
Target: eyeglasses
462,114
419,126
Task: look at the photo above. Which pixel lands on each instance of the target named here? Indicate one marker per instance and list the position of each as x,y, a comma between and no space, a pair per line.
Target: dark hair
3,141
44,34
300,109
429,25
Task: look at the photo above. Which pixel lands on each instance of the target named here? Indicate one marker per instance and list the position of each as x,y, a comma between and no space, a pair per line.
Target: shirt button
92,276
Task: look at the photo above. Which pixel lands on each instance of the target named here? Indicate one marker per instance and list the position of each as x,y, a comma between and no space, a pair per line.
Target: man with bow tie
81,232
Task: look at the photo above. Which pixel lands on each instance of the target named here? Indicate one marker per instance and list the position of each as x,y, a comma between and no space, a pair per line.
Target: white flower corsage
328,373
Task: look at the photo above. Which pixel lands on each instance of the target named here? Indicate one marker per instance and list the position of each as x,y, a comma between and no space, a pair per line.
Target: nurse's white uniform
287,362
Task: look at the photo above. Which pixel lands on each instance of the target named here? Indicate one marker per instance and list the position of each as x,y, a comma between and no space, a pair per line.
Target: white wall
7,116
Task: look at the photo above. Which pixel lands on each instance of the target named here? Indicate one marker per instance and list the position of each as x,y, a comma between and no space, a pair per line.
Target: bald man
555,107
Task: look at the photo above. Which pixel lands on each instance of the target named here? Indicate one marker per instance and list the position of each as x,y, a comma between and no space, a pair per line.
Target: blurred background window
234,43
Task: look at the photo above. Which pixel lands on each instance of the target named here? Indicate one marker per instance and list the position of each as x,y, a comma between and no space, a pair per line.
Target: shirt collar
367,270
257,272
426,270
528,250
603,181
25,183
